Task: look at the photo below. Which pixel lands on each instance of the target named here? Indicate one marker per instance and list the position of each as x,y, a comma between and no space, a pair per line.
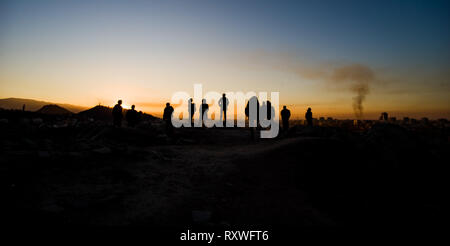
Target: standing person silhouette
191,109
223,104
167,117
131,116
309,118
117,114
254,103
204,110
269,110
285,115
263,106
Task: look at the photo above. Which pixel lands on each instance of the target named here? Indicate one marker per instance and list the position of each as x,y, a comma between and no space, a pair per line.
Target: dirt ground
312,177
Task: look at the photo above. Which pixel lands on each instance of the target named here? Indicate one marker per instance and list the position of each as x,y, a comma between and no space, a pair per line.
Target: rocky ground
94,174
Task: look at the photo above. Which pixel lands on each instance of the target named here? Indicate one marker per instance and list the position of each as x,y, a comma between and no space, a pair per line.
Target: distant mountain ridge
53,109
98,112
34,105
104,113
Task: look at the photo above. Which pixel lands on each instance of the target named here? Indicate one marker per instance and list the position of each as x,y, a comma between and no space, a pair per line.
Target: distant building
406,120
357,122
384,116
442,122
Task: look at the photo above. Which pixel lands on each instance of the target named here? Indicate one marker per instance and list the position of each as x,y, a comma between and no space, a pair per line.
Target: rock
51,207
83,146
186,141
47,143
24,122
44,154
28,142
37,121
102,150
75,154
60,125
79,203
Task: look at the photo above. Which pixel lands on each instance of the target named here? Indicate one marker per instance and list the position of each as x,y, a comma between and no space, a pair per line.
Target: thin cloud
355,77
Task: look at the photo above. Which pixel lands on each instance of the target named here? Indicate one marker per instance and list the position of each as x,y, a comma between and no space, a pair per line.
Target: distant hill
34,105
53,109
104,113
98,112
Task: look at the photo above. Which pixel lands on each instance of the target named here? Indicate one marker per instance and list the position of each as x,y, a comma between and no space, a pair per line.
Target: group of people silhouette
204,107
132,115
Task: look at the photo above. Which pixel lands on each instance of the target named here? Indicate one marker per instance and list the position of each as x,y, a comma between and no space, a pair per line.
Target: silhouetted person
167,117
267,105
309,118
285,115
132,116
23,108
191,108
264,106
117,114
255,103
269,110
204,110
223,104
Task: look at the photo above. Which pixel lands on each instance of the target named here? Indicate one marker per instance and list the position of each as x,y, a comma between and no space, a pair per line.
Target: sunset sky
315,53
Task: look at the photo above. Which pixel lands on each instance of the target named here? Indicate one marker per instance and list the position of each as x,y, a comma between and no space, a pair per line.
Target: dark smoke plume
361,91
360,76
355,77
